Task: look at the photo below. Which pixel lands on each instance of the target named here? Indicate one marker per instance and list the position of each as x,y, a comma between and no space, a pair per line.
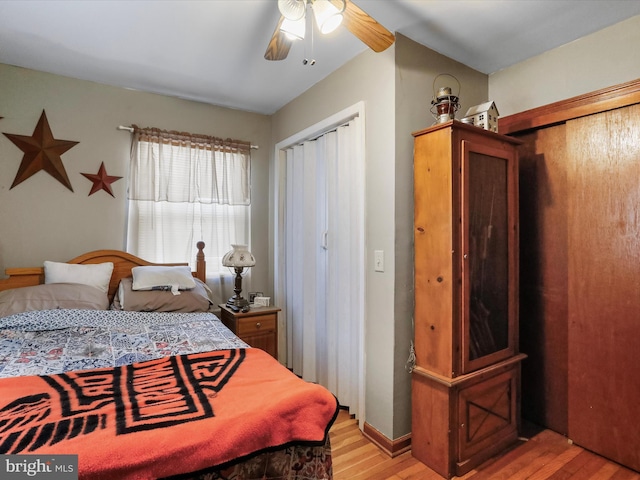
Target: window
185,188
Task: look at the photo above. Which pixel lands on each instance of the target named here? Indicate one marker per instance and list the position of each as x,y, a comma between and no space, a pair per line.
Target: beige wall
396,87
416,70
40,219
368,78
602,59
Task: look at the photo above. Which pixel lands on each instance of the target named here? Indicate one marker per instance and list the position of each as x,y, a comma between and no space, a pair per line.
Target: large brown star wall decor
41,152
101,181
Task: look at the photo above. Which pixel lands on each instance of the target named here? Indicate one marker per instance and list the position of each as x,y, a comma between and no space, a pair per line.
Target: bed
121,362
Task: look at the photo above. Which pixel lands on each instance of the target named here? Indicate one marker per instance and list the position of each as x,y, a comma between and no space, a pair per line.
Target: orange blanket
164,417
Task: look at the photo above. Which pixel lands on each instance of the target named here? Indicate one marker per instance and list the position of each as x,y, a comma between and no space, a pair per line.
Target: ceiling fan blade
279,45
365,27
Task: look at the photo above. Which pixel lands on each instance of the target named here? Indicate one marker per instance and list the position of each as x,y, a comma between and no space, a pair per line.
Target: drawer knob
258,324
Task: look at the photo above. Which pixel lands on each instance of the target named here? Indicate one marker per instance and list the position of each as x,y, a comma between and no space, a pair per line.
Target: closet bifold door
489,254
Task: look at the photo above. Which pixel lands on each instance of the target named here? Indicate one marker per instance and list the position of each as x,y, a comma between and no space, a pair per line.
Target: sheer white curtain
185,188
324,255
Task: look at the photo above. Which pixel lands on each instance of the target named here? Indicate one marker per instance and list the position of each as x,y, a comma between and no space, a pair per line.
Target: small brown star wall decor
41,152
101,181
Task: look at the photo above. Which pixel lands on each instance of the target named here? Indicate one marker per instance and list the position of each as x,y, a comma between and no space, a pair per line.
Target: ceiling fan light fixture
294,29
328,17
292,9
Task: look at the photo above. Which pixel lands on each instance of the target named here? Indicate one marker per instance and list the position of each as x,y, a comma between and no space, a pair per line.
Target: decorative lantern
444,104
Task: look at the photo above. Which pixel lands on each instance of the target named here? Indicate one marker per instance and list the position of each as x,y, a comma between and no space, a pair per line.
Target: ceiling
212,51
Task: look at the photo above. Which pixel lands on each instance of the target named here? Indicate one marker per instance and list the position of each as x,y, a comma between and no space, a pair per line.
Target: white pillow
163,278
97,275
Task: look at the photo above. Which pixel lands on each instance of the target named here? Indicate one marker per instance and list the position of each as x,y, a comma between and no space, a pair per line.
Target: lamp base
237,303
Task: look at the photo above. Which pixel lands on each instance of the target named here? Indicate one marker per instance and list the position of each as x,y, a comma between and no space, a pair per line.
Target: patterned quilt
54,341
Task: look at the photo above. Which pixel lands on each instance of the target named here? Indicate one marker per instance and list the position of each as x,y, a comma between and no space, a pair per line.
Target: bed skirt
296,462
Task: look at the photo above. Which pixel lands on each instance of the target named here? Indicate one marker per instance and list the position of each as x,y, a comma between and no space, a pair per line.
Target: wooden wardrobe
465,385
580,268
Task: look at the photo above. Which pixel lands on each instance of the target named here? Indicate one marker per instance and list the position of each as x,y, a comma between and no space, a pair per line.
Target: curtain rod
130,129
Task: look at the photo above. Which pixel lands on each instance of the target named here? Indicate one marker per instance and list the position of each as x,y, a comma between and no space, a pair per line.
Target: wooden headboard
123,262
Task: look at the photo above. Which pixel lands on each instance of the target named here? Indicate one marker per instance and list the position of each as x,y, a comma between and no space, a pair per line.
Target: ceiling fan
328,15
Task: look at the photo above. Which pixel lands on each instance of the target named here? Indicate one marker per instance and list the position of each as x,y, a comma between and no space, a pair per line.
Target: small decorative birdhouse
484,116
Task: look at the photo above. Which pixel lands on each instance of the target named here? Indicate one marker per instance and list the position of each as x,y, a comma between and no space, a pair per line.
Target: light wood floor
546,455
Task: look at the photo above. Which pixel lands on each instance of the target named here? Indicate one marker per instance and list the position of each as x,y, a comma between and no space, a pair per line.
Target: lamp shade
294,29
327,16
292,9
239,256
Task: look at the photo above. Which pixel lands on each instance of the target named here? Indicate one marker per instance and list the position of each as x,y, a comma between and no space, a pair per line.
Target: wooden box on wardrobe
465,386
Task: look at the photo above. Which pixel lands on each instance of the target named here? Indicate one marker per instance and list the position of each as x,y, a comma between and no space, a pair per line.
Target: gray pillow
194,300
52,296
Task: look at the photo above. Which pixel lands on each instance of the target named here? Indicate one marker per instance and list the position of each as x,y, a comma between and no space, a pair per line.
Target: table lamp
238,258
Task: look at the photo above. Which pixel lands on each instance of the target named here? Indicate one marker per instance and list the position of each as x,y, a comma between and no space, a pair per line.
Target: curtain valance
171,166
156,135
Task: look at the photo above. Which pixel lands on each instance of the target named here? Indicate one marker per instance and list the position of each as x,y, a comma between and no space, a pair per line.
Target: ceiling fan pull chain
310,27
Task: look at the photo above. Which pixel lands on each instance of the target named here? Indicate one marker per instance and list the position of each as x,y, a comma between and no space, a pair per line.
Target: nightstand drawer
257,324
258,327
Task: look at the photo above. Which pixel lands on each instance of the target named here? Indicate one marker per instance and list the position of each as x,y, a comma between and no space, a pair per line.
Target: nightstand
258,327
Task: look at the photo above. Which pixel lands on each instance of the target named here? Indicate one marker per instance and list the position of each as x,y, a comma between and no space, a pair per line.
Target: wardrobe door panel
543,276
604,289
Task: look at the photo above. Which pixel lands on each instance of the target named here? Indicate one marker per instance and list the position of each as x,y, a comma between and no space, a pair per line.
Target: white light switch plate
378,260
